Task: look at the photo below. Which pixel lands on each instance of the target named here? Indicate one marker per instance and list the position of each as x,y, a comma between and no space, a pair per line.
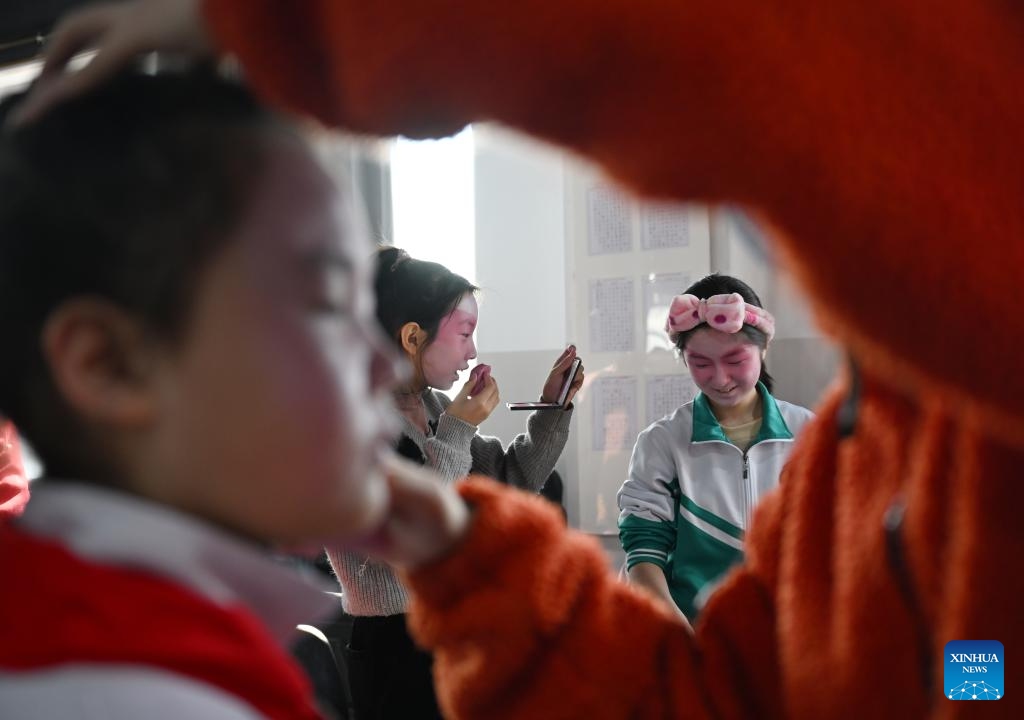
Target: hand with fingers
120,33
477,398
425,520
556,378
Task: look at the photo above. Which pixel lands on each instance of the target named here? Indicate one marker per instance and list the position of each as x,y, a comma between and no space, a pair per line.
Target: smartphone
563,394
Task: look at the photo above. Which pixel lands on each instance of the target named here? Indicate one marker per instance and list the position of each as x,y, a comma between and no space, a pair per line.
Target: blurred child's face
725,366
276,407
450,351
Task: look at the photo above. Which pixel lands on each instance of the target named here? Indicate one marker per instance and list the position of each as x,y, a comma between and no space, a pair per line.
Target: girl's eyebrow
461,319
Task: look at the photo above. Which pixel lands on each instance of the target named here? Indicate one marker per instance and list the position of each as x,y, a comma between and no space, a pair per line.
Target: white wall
520,245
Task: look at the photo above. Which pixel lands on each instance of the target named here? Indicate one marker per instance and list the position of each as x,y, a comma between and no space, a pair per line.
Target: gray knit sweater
455,450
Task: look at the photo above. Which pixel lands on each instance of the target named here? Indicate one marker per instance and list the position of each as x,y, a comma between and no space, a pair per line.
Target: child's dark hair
717,284
410,290
125,195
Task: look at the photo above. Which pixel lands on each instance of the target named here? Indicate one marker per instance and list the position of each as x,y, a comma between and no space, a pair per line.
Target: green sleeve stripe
649,551
646,556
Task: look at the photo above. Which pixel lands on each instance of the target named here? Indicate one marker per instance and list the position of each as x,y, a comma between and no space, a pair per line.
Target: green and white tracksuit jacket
690,492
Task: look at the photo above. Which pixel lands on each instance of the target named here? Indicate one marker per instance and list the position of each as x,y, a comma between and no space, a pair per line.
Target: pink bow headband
727,313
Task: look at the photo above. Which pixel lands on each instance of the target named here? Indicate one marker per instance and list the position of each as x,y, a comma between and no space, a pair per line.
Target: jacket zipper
747,496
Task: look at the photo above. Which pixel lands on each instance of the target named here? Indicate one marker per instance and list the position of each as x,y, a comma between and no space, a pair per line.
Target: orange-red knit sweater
883,140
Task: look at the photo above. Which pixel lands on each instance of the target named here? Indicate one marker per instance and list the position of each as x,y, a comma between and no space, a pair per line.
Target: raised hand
424,520
553,385
120,32
480,374
477,398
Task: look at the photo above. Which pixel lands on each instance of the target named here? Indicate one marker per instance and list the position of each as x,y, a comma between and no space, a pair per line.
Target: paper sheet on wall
665,393
610,220
665,226
611,315
659,289
614,402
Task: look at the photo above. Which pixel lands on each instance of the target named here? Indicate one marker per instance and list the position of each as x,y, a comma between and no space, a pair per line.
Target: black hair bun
391,258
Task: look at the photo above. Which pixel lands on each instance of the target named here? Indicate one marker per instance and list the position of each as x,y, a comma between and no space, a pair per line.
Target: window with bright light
433,201
433,204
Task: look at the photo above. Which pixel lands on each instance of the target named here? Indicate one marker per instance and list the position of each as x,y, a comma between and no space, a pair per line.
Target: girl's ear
413,337
102,363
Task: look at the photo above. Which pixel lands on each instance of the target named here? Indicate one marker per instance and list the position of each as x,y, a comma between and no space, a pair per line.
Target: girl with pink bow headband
730,306
704,466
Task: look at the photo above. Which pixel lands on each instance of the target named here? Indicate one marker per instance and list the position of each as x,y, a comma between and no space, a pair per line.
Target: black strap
410,450
892,523
846,415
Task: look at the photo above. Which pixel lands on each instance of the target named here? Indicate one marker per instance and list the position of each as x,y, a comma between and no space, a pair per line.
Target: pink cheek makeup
455,327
